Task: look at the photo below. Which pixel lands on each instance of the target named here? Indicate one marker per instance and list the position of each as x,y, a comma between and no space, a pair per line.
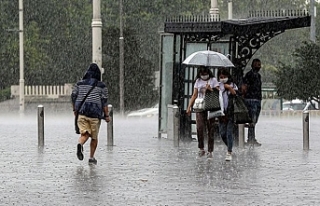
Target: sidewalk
143,170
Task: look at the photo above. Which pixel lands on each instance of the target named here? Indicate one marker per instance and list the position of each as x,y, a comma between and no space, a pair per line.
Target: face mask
223,81
204,77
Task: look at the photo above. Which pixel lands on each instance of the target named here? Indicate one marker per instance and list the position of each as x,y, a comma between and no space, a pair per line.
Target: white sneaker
228,157
209,155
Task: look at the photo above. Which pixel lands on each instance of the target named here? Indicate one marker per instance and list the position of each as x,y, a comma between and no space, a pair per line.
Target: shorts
90,125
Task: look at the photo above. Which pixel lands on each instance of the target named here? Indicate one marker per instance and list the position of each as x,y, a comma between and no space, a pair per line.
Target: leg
201,123
230,135
93,147
210,134
223,129
95,127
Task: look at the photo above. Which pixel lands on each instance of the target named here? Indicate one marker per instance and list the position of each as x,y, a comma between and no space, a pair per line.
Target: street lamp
121,63
21,58
96,34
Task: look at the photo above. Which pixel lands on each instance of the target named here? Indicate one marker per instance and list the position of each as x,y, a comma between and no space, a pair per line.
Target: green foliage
301,80
5,94
138,72
58,41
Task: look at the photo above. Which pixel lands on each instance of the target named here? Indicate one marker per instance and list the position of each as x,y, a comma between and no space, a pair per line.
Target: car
146,112
298,104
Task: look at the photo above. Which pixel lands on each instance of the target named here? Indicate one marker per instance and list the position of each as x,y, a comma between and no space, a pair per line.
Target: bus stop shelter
238,39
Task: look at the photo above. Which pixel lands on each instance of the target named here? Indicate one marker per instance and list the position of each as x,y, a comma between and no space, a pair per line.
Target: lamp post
230,9
96,34
21,58
121,63
214,10
313,21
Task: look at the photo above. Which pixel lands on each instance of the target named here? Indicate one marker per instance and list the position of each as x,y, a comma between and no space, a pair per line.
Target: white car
146,112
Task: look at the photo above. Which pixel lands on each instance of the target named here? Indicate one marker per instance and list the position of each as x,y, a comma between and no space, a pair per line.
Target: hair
254,61
225,72
204,69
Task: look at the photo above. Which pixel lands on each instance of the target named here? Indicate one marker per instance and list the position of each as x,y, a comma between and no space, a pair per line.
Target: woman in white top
204,81
226,124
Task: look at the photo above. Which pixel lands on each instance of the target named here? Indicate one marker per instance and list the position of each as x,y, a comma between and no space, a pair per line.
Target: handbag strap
85,97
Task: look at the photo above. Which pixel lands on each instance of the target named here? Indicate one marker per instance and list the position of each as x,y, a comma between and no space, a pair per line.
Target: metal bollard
176,125
40,126
305,122
241,135
110,127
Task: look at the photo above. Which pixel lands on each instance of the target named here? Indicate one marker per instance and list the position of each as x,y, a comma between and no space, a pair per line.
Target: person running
93,109
226,124
252,92
204,81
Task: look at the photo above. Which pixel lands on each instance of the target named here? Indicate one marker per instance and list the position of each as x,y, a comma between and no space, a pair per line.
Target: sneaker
201,153
209,155
79,151
228,157
254,143
93,161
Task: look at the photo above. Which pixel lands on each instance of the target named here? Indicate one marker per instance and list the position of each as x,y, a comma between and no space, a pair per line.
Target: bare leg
93,147
83,138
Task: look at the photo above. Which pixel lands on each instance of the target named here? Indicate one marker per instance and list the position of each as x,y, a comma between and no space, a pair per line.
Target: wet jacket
98,97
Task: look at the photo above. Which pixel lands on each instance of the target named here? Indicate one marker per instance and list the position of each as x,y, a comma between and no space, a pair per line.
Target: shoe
254,143
201,153
80,151
228,157
209,155
93,161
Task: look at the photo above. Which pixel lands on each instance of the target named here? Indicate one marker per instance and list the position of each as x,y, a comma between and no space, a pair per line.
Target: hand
188,111
107,118
208,86
227,86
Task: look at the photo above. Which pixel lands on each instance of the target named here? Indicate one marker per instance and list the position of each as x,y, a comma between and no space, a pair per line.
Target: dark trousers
203,125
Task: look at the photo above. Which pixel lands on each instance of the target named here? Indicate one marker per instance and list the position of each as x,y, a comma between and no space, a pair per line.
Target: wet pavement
143,170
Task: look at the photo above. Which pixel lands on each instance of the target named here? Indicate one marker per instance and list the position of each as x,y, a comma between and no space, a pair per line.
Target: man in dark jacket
90,102
252,92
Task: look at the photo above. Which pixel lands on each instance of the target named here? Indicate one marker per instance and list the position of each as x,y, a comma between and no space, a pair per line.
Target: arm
230,88
191,102
74,96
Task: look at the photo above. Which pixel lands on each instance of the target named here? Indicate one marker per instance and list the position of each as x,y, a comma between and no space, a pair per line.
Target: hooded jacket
98,97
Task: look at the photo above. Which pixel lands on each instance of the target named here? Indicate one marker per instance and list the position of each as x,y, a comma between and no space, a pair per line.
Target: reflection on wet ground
143,170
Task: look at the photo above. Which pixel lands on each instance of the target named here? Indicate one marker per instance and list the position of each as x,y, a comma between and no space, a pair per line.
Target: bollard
40,126
241,135
176,125
305,122
110,127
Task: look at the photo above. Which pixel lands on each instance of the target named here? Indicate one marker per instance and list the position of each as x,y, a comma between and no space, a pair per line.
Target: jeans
254,107
226,131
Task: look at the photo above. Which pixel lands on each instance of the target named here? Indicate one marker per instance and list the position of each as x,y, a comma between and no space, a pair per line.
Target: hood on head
93,72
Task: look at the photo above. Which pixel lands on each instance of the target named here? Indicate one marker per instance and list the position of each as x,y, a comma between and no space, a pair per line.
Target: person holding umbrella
204,81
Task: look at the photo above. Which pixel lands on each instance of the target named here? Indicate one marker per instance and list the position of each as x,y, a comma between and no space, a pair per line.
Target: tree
302,79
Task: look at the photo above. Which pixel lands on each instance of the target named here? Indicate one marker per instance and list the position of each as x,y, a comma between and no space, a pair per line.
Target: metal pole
110,127
241,135
40,126
96,34
305,122
313,21
176,125
21,57
121,63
